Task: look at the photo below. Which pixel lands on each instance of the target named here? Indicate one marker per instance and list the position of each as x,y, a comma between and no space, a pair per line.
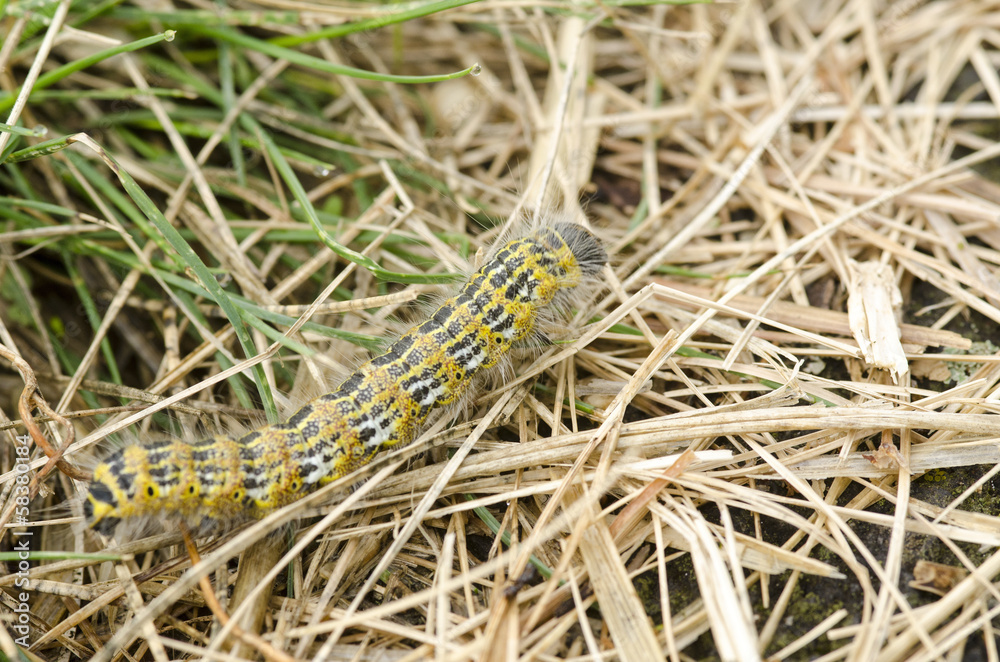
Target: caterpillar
384,403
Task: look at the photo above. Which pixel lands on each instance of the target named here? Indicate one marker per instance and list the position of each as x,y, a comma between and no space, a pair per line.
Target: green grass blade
301,59
337,31
494,525
191,260
293,183
36,132
59,73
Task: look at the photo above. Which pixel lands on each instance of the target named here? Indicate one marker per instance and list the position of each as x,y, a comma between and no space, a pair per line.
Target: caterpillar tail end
586,248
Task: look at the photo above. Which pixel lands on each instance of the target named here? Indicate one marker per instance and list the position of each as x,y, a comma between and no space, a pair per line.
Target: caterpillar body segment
384,403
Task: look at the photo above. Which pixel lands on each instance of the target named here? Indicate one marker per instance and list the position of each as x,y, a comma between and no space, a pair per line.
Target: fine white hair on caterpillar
225,479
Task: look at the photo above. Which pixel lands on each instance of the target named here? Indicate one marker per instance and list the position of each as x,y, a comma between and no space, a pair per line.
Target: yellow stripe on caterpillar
384,403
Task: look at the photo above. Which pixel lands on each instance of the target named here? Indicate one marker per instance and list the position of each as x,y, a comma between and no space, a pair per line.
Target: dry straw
703,464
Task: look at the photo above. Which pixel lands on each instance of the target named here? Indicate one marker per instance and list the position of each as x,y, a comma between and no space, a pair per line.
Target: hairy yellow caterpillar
384,403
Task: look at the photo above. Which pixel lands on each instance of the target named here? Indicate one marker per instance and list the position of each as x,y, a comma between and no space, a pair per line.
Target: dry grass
710,432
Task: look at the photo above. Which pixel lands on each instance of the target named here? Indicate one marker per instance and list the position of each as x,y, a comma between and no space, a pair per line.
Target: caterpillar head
100,508
107,496
120,490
